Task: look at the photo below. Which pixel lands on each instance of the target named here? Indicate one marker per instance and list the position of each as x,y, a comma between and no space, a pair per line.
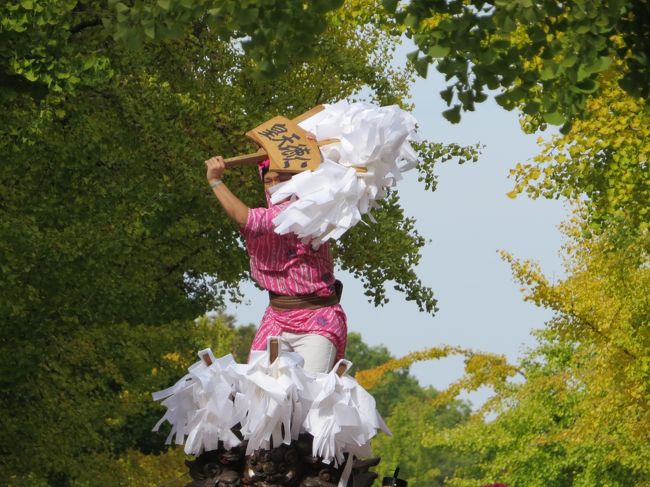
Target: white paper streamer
342,419
273,403
332,199
275,395
200,405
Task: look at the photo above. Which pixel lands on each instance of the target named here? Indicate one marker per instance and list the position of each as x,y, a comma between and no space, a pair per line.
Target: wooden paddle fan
285,144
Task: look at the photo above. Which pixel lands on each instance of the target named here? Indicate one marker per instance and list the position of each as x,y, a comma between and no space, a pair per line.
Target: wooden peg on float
274,349
343,367
207,356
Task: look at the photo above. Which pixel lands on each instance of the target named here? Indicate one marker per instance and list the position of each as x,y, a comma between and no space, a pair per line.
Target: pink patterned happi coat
284,265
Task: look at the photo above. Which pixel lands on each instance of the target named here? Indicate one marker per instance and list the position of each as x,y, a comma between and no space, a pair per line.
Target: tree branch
94,22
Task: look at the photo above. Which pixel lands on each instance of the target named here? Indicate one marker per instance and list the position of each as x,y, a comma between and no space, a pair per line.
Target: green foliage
410,413
373,257
432,153
272,31
391,256
580,417
242,341
397,386
538,437
51,47
411,421
85,399
58,46
110,240
108,229
602,159
362,355
106,192
544,57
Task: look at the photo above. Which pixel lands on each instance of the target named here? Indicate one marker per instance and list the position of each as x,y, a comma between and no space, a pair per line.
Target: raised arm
233,206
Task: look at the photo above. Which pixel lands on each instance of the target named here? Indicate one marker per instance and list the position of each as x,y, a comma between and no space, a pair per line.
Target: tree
411,421
397,386
544,56
107,223
87,402
124,228
602,159
410,413
580,415
57,47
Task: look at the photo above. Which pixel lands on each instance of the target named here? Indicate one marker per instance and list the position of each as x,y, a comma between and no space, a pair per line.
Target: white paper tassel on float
276,394
342,419
332,199
273,401
200,405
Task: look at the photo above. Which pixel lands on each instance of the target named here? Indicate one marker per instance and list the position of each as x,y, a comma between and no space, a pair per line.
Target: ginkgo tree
58,46
604,157
574,410
542,56
578,412
108,229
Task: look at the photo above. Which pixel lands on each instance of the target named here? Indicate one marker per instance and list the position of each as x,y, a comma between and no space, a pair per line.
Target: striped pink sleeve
254,222
260,220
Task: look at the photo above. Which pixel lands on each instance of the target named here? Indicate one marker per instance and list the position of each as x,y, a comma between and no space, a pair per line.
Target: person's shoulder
255,220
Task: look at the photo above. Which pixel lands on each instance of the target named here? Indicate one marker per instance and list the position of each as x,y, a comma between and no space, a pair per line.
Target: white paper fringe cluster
272,396
204,405
273,403
342,419
332,199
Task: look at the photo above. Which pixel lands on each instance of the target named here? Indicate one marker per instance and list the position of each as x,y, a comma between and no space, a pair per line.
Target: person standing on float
304,296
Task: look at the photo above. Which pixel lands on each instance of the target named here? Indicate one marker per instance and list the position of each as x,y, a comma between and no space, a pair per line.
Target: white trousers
319,353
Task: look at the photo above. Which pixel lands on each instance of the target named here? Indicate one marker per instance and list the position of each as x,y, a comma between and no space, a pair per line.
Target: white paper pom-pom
332,199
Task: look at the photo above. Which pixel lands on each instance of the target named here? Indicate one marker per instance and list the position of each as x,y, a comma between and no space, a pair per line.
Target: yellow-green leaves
574,410
603,157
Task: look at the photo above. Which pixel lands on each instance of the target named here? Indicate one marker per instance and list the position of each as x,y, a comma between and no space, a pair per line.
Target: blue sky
466,220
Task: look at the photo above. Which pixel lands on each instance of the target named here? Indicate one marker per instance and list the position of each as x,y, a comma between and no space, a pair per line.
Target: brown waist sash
308,301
